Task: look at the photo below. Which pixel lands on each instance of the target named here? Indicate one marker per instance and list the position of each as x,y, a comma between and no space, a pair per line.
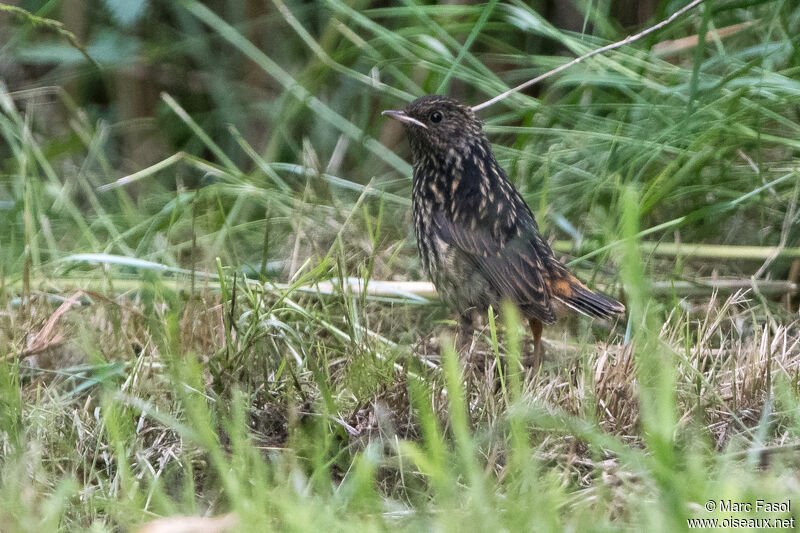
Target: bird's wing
513,262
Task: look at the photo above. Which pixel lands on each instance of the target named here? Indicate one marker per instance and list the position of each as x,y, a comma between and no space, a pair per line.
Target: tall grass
161,354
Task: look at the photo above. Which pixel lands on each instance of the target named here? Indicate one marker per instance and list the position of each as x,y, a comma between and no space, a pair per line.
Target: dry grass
729,356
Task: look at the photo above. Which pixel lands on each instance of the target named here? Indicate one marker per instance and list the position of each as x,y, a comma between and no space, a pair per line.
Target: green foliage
166,206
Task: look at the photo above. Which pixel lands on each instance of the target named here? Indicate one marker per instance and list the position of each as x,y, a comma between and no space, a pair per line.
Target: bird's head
439,127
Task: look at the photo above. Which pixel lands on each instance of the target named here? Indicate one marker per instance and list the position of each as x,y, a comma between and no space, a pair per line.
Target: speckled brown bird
478,240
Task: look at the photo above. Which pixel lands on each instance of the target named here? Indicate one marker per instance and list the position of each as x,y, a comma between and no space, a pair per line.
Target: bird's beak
403,117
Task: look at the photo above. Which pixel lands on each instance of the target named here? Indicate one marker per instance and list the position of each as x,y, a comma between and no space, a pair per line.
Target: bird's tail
578,297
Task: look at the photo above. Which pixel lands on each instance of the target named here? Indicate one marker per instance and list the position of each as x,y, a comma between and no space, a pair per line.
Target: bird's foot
536,359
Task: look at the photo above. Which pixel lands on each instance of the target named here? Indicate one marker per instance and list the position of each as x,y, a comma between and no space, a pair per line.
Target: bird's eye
436,117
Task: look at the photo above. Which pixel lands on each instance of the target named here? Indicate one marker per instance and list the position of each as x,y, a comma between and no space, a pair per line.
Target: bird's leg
466,328
538,350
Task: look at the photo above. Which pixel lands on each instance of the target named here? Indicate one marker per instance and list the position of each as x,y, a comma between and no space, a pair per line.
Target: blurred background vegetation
145,140
274,112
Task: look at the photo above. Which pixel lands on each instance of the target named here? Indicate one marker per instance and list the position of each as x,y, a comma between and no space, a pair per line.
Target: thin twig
629,39
788,220
412,290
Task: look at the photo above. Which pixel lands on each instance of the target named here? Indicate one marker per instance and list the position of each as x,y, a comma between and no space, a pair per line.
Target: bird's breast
430,195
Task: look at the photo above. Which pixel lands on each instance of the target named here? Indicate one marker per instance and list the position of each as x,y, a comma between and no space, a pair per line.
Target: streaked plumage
478,240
